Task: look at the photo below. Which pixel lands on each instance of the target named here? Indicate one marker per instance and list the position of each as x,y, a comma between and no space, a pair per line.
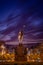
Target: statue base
20,53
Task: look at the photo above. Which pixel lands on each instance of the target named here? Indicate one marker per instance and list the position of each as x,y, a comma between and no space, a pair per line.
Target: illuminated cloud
3,27
6,38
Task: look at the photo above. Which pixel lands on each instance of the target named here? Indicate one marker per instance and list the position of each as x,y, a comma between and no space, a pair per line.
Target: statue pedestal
20,53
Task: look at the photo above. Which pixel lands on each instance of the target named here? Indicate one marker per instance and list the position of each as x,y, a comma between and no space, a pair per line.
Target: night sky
25,15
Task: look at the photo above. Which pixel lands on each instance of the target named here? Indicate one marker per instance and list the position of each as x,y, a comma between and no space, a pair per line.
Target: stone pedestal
20,53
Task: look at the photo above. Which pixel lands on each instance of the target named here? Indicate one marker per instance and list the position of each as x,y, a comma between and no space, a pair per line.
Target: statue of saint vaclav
20,37
20,50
